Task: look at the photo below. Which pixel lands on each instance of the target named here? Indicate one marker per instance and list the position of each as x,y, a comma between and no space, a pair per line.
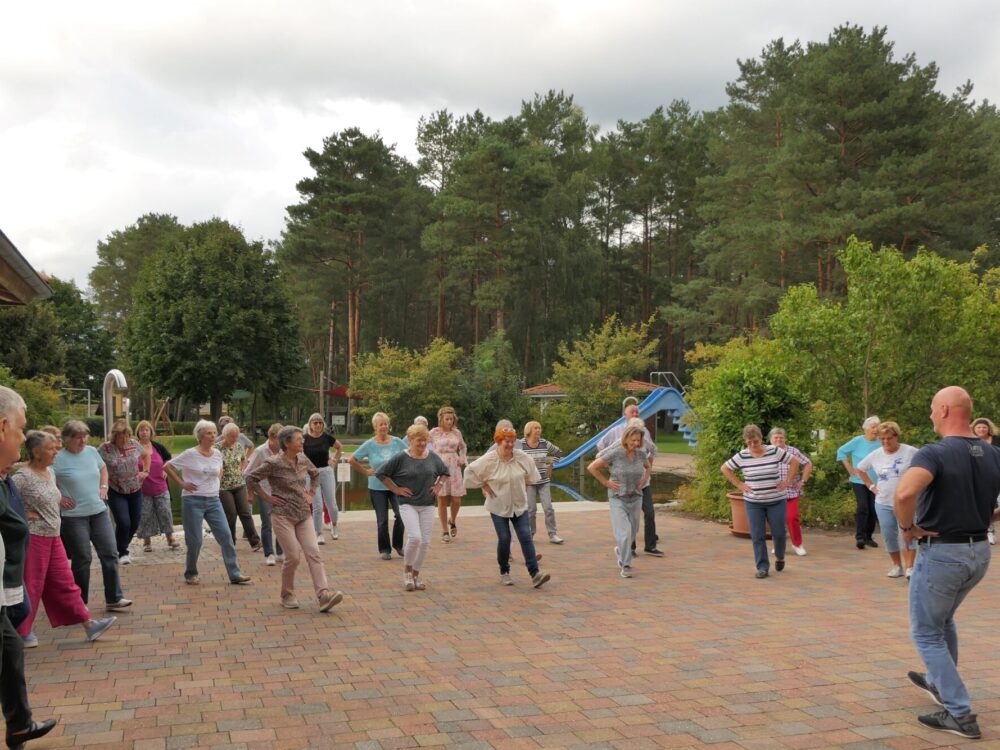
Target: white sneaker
506,580
125,560
556,539
896,572
909,572
617,556
334,534
320,539
408,582
800,551
269,560
991,535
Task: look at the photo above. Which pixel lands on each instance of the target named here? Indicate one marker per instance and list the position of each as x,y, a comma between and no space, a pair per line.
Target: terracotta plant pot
741,526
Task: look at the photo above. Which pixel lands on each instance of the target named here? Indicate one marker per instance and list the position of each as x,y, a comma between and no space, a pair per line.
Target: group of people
941,498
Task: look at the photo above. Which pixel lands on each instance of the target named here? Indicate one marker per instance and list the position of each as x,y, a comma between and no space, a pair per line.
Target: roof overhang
19,282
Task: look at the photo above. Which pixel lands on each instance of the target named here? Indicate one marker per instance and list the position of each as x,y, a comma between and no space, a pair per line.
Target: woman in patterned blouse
289,473
233,488
123,456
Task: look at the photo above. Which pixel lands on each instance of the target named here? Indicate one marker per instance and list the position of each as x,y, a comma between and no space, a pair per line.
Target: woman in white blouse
504,475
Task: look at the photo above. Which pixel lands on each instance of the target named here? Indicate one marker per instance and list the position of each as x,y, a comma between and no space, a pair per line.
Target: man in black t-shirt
946,500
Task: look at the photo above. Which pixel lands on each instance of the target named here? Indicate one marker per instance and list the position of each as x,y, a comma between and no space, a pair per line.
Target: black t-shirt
317,449
961,497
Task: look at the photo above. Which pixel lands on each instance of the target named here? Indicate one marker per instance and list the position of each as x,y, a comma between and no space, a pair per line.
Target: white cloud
201,109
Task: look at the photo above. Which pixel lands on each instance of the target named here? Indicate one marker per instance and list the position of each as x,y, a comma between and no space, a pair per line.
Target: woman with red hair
504,475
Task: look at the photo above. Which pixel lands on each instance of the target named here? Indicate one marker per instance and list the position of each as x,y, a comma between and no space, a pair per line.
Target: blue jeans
942,578
890,529
774,515
266,530
78,533
382,500
522,527
194,509
127,512
325,493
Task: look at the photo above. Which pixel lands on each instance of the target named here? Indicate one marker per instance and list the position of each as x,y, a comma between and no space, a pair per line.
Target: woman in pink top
157,517
446,441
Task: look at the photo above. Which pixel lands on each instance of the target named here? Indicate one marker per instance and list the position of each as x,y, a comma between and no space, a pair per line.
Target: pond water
568,485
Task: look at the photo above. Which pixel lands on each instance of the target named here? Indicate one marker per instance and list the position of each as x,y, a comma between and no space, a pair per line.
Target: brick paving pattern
692,652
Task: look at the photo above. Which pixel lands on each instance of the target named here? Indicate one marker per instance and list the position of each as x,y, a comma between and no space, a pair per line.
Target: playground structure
664,398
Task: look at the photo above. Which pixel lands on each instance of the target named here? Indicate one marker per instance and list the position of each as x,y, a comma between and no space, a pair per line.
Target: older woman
763,494
504,475
377,450
889,463
317,447
447,442
414,477
984,429
779,438
290,475
157,515
268,449
850,454
629,466
123,456
543,453
82,478
233,487
47,576
199,478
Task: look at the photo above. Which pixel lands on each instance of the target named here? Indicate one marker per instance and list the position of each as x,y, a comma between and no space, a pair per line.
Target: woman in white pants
414,477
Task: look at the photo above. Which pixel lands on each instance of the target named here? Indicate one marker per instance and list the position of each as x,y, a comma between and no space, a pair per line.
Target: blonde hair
146,423
530,426
417,430
273,430
752,430
888,428
380,415
989,425
120,427
630,432
446,410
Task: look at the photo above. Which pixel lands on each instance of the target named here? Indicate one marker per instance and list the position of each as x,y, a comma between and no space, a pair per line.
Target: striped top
540,454
762,473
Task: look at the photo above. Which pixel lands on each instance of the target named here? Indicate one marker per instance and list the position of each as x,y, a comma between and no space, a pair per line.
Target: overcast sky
110,110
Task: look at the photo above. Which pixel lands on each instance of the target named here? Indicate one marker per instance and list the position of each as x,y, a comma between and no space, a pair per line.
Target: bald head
951,412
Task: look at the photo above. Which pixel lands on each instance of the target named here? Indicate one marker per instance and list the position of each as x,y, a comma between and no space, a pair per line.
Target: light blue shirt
78,476
857,448
377,454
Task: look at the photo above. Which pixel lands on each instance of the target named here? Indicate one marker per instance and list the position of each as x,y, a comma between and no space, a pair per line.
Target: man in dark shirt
14,531
946,500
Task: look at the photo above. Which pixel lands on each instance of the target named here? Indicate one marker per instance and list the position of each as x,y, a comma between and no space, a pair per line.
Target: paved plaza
691,652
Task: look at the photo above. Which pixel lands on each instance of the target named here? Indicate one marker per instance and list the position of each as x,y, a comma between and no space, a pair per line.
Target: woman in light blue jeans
889,463
318,444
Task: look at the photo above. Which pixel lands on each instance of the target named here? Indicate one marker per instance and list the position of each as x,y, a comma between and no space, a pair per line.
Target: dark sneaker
16,740
654,552
869,542
779,565
920,680
860,544
240,580
963,726
761,574
119,606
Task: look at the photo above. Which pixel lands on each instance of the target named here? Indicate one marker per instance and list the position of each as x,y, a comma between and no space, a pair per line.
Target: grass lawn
673,442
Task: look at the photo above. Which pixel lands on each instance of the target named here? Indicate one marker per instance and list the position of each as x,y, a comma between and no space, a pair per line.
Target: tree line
538,227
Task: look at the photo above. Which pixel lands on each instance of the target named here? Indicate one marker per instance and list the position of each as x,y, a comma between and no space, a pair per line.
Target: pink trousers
49,580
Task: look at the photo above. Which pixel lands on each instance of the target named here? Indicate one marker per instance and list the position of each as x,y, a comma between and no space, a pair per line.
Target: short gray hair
223,421
230,428
420,420
203,426
73,428
36,439
10,402
872,421
776,431
504,423
287,434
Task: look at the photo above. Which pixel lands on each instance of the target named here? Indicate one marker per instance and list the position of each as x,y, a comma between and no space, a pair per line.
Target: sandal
147,548
454,529
445,537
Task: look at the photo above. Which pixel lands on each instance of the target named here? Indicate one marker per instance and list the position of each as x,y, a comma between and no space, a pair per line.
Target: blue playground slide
664,398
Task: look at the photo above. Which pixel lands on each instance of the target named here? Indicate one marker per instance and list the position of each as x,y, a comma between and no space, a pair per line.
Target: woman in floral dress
447,442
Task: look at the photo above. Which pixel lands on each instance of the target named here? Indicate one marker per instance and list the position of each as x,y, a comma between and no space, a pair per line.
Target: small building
19,282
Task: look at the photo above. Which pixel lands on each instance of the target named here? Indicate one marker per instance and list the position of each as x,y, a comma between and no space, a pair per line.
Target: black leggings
864,517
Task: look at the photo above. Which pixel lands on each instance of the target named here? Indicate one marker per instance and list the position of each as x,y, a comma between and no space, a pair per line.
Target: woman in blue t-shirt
377,450
850,454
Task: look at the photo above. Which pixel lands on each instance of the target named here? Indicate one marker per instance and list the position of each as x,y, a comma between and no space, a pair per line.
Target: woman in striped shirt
763,494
